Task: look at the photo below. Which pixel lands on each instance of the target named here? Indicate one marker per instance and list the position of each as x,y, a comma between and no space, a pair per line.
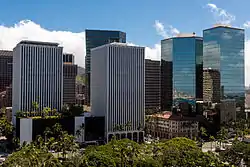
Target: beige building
211,86
167,126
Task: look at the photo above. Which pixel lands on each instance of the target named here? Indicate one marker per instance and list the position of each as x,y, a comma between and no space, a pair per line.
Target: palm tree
211,138
128,125
57,129
46,111
47,133
35,106
222,135
203,131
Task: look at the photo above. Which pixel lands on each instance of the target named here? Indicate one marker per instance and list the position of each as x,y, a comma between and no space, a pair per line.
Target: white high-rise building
117,89
37,76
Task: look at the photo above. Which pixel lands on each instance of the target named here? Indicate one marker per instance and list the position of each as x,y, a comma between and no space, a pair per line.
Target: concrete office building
211,86
181,71
95,38
227,111
117,89
152,85
37,76
69,79
6,59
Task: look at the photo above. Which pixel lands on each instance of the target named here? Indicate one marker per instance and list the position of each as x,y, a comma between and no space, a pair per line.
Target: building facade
117,89
211,86
6,59
166,126
152,85
182,75
224,53
80,96
95,38
69,79
37,76
6,97
227,111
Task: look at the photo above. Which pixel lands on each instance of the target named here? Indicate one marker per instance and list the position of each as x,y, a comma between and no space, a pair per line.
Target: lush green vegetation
56,147
236,153
48,113
118,153
80,79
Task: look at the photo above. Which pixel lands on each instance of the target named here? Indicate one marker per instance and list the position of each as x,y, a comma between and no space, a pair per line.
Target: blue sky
136,17
64,21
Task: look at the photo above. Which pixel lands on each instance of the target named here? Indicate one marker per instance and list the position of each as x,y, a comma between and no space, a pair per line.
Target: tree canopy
178,152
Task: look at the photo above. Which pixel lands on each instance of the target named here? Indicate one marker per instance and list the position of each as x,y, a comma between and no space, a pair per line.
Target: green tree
31,156
35,106
222,135
211,139
6,128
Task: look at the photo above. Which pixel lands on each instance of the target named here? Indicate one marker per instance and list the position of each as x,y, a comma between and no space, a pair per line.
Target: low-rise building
167,126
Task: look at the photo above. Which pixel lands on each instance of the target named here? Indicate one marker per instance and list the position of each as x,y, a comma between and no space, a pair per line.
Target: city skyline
159,25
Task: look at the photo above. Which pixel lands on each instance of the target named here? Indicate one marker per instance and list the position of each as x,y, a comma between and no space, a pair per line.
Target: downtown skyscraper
95,38
37,76
223,53
181,71
118,89
6,59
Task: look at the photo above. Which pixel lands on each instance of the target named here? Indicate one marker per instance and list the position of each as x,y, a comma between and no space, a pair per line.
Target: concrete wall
79,121
25,130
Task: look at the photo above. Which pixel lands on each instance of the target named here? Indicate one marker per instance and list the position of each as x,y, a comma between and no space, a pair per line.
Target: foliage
72,110
30,155
46,113
6,128
236,153
80,79
175,152
117,153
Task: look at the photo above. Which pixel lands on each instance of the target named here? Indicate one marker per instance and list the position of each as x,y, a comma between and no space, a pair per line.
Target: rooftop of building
185,35
68,54
228,100
175,117
223,26
6,53
38,43
103,30
209,69
118,44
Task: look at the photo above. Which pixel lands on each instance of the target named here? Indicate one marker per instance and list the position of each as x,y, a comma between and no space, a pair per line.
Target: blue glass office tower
181,69
224,52
95,38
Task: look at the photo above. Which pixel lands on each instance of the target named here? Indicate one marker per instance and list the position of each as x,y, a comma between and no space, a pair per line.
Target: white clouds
163,31
246,24
160,29
151,53
221,15
72,42
28,30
